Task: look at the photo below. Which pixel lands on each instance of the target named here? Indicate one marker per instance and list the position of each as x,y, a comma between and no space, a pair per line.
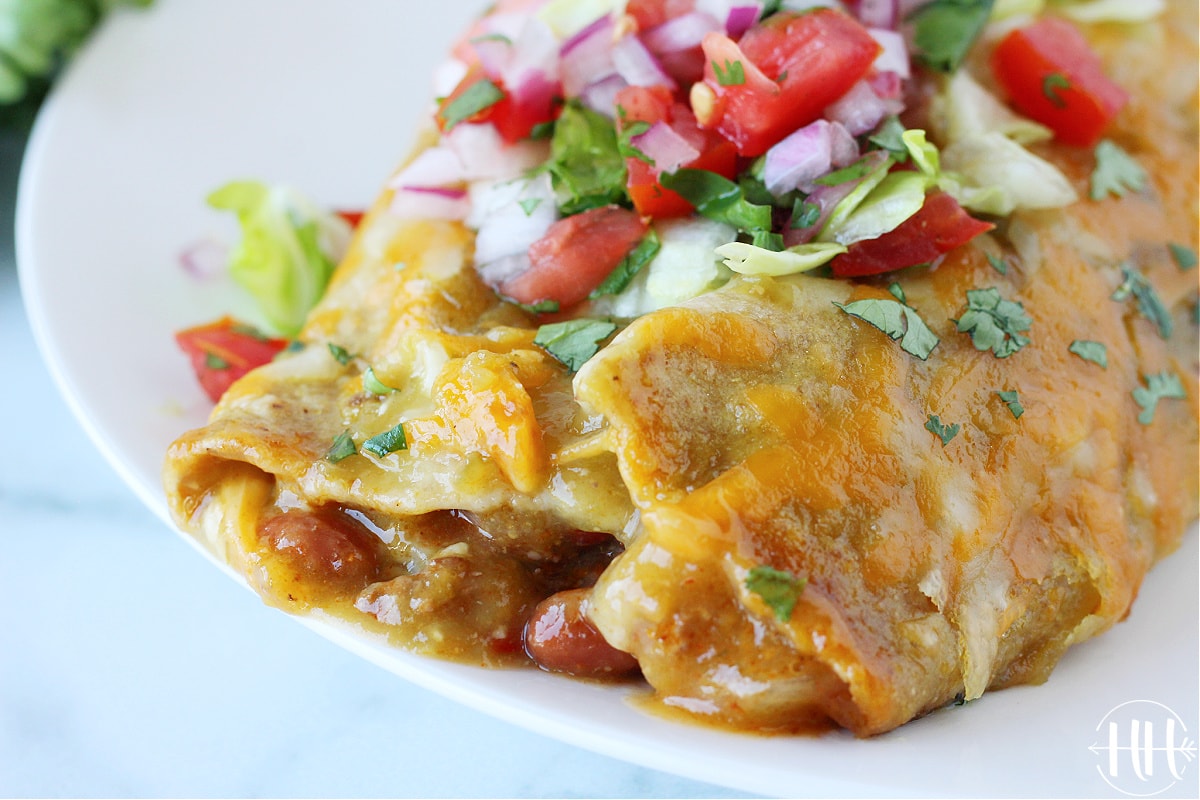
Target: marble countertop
131,667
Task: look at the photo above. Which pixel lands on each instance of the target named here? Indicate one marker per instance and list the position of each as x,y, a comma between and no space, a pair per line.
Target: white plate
165,105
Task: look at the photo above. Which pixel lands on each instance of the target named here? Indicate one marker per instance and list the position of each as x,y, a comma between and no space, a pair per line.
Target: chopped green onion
341,354
387,442
373,385
342,447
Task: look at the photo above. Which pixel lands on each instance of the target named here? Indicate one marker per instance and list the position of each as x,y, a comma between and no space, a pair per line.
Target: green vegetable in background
288,250
37,37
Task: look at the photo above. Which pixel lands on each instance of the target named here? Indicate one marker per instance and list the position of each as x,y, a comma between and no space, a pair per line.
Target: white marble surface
130,667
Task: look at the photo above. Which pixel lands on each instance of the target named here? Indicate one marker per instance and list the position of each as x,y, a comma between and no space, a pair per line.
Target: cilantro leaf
387,442
1159,386
718,198
630,265
779,589
889,136
733,74
945,30
1094,352
998,264
896,320
939,429
1013,401
479,96
1116,172
994,323
586,166
1184,257
1051,84
575,341
1137,286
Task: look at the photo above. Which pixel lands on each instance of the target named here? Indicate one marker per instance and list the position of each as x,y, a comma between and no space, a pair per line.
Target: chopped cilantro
479,96
889,136
897,291
853,172
1137,286
1051,84
998,264
1160,386
586,166
340,353
994,323
373,385
387,442
1094,352
342,447
625,145
530,204
540,307
575,341
630,265
214,361
1116,172
941,430
945,30
718,198
779,589
734,73
805,214
896,320
1013,401
1185,257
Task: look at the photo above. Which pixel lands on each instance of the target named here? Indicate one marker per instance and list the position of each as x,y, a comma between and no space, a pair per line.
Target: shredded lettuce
1110,10
568,17
992,174
897,197
964,108
747,259
288,250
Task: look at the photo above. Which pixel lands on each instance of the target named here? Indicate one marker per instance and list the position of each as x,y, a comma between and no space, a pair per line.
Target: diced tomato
575,255
787,69
652,13
352,217
940,226
1051,75
657,104
516,114
225,350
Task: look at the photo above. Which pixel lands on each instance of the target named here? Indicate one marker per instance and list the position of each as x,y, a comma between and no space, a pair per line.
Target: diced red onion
413,202
665,147
436,166
684,32
843,147
205,259
587,57
859,109
484,154
494,55
799,158
741,17
601,96
636,65
894,57
827,197
603,24
506,223
888,87
535,50
494,273
879,13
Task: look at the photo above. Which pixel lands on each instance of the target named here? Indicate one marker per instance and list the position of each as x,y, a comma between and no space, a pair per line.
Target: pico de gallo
618,156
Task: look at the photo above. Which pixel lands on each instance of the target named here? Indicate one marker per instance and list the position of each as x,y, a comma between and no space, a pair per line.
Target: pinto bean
318,553
560,638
